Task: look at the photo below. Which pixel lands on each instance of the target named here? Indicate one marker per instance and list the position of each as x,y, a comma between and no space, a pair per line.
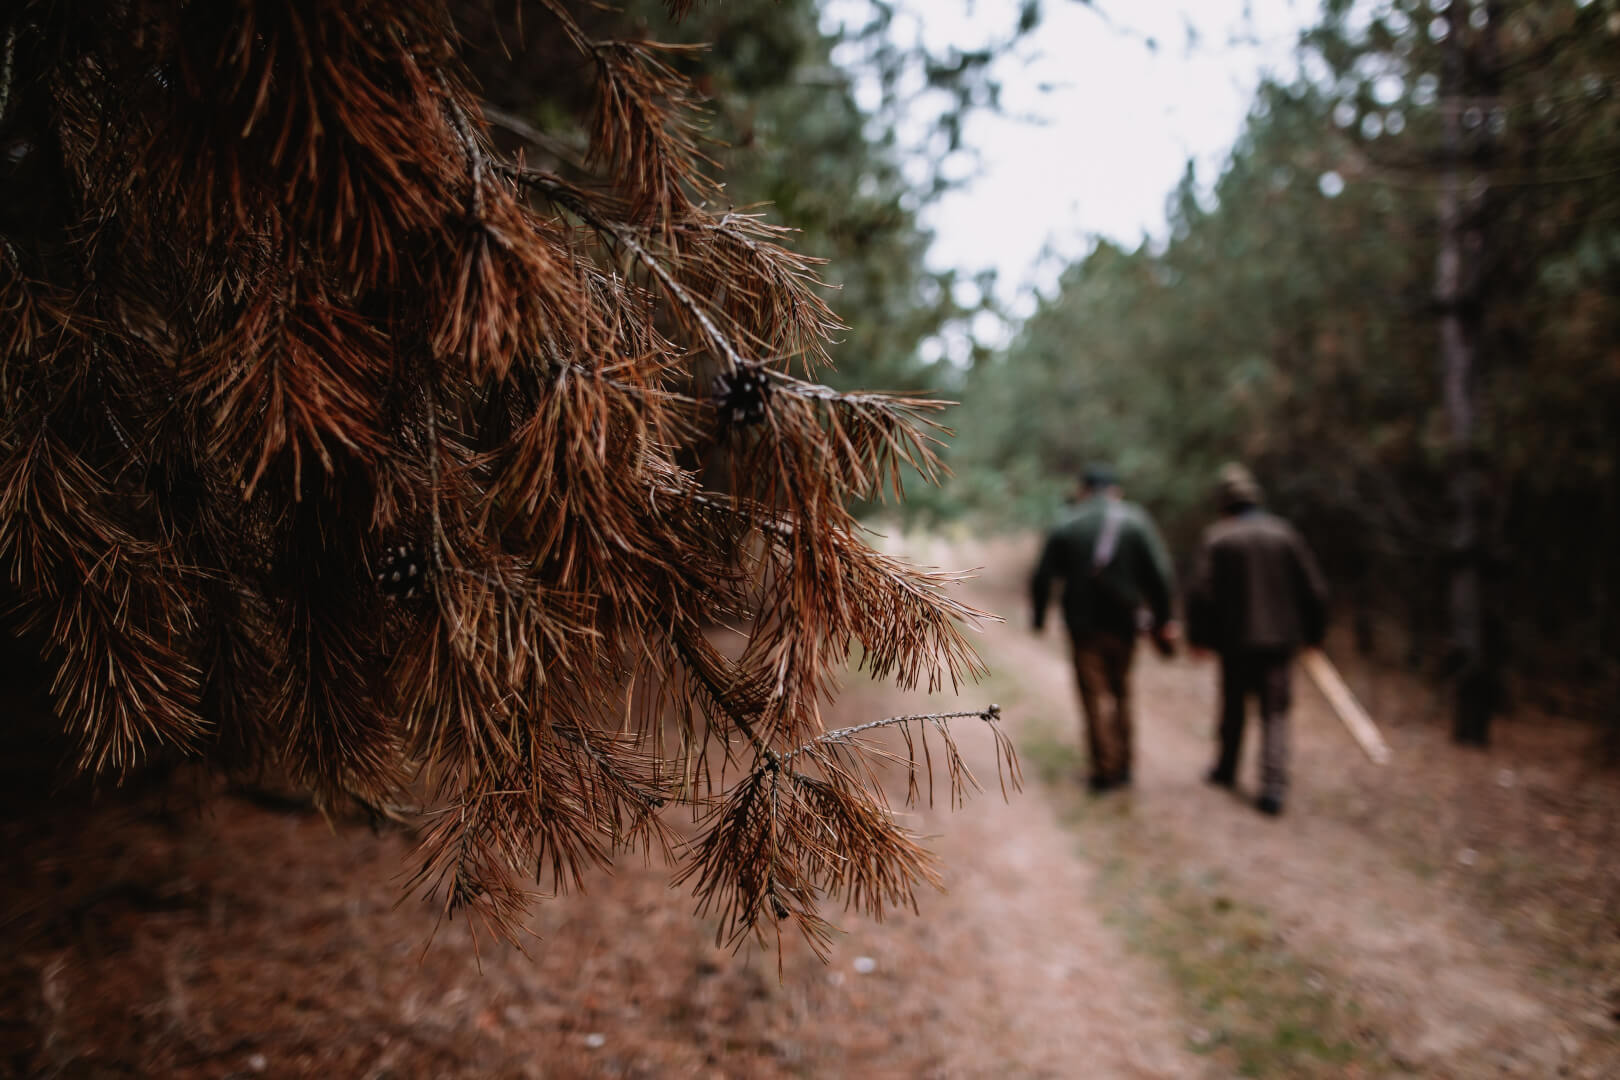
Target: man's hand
1199,653
1165,638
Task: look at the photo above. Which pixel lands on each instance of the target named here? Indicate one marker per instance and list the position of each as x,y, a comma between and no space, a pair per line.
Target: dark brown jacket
1256,586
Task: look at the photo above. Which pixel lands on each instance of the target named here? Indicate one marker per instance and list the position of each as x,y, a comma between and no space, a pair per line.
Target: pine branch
687,306
782,838
338,442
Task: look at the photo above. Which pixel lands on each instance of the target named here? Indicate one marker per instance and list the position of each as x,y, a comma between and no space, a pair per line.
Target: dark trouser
1102,670
1267,675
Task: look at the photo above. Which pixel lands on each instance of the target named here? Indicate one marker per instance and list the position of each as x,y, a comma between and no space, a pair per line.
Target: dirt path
1165,932
237,941
1040,986
1437,990
1393,970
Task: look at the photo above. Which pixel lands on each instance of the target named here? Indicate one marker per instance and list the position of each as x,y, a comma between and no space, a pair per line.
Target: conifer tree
338,440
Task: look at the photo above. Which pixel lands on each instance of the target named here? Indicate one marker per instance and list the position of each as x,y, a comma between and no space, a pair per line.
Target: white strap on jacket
1108,538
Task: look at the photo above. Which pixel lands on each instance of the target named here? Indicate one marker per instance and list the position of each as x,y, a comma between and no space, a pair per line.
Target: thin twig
566,197
991,714
529,133
476,162
6,69
437,541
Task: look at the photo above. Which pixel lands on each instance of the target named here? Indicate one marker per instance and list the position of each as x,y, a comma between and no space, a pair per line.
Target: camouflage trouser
1102,670
1267,675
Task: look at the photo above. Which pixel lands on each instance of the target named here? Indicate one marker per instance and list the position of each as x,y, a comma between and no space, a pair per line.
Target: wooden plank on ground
1349,710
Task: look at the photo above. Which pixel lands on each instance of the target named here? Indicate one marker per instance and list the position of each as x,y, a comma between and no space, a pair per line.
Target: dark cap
1236,487
1097,475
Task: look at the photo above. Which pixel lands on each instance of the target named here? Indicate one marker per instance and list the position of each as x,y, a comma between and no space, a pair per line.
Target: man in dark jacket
1256,598
1112,564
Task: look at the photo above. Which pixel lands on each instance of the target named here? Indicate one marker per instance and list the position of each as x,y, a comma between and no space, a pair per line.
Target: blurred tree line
789,141
792,143
1400,302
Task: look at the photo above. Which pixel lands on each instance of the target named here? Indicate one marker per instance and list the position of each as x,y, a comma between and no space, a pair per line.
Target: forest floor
1452,914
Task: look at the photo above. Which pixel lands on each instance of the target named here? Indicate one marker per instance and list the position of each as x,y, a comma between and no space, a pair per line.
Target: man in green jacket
1256,598
1113,566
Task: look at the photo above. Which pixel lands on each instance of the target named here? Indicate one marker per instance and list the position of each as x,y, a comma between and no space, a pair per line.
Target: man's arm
1201,598
1158,584
1040,584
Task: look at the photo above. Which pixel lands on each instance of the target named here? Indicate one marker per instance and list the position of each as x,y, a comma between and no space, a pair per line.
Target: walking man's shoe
1269,805
1220,779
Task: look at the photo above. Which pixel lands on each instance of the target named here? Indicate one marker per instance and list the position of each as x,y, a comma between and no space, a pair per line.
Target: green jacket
1104,599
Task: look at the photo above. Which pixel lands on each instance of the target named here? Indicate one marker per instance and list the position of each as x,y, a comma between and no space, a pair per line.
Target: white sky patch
1119,121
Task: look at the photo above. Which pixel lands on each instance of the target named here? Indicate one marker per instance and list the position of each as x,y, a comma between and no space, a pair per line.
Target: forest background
1398,302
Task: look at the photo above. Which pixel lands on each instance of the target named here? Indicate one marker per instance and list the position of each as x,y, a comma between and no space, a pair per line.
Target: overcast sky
1121,118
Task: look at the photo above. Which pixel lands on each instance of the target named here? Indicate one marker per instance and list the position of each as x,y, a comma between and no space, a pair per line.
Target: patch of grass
1261,1010
1419,866
1255,1006
1047,749
1050,758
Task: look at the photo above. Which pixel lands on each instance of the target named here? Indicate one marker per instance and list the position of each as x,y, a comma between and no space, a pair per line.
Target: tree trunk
1466,105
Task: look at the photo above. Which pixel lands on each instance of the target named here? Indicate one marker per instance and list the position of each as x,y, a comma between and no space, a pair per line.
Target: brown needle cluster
338,439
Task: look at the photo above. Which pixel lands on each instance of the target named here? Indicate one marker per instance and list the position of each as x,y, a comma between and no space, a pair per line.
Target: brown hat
1236,487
